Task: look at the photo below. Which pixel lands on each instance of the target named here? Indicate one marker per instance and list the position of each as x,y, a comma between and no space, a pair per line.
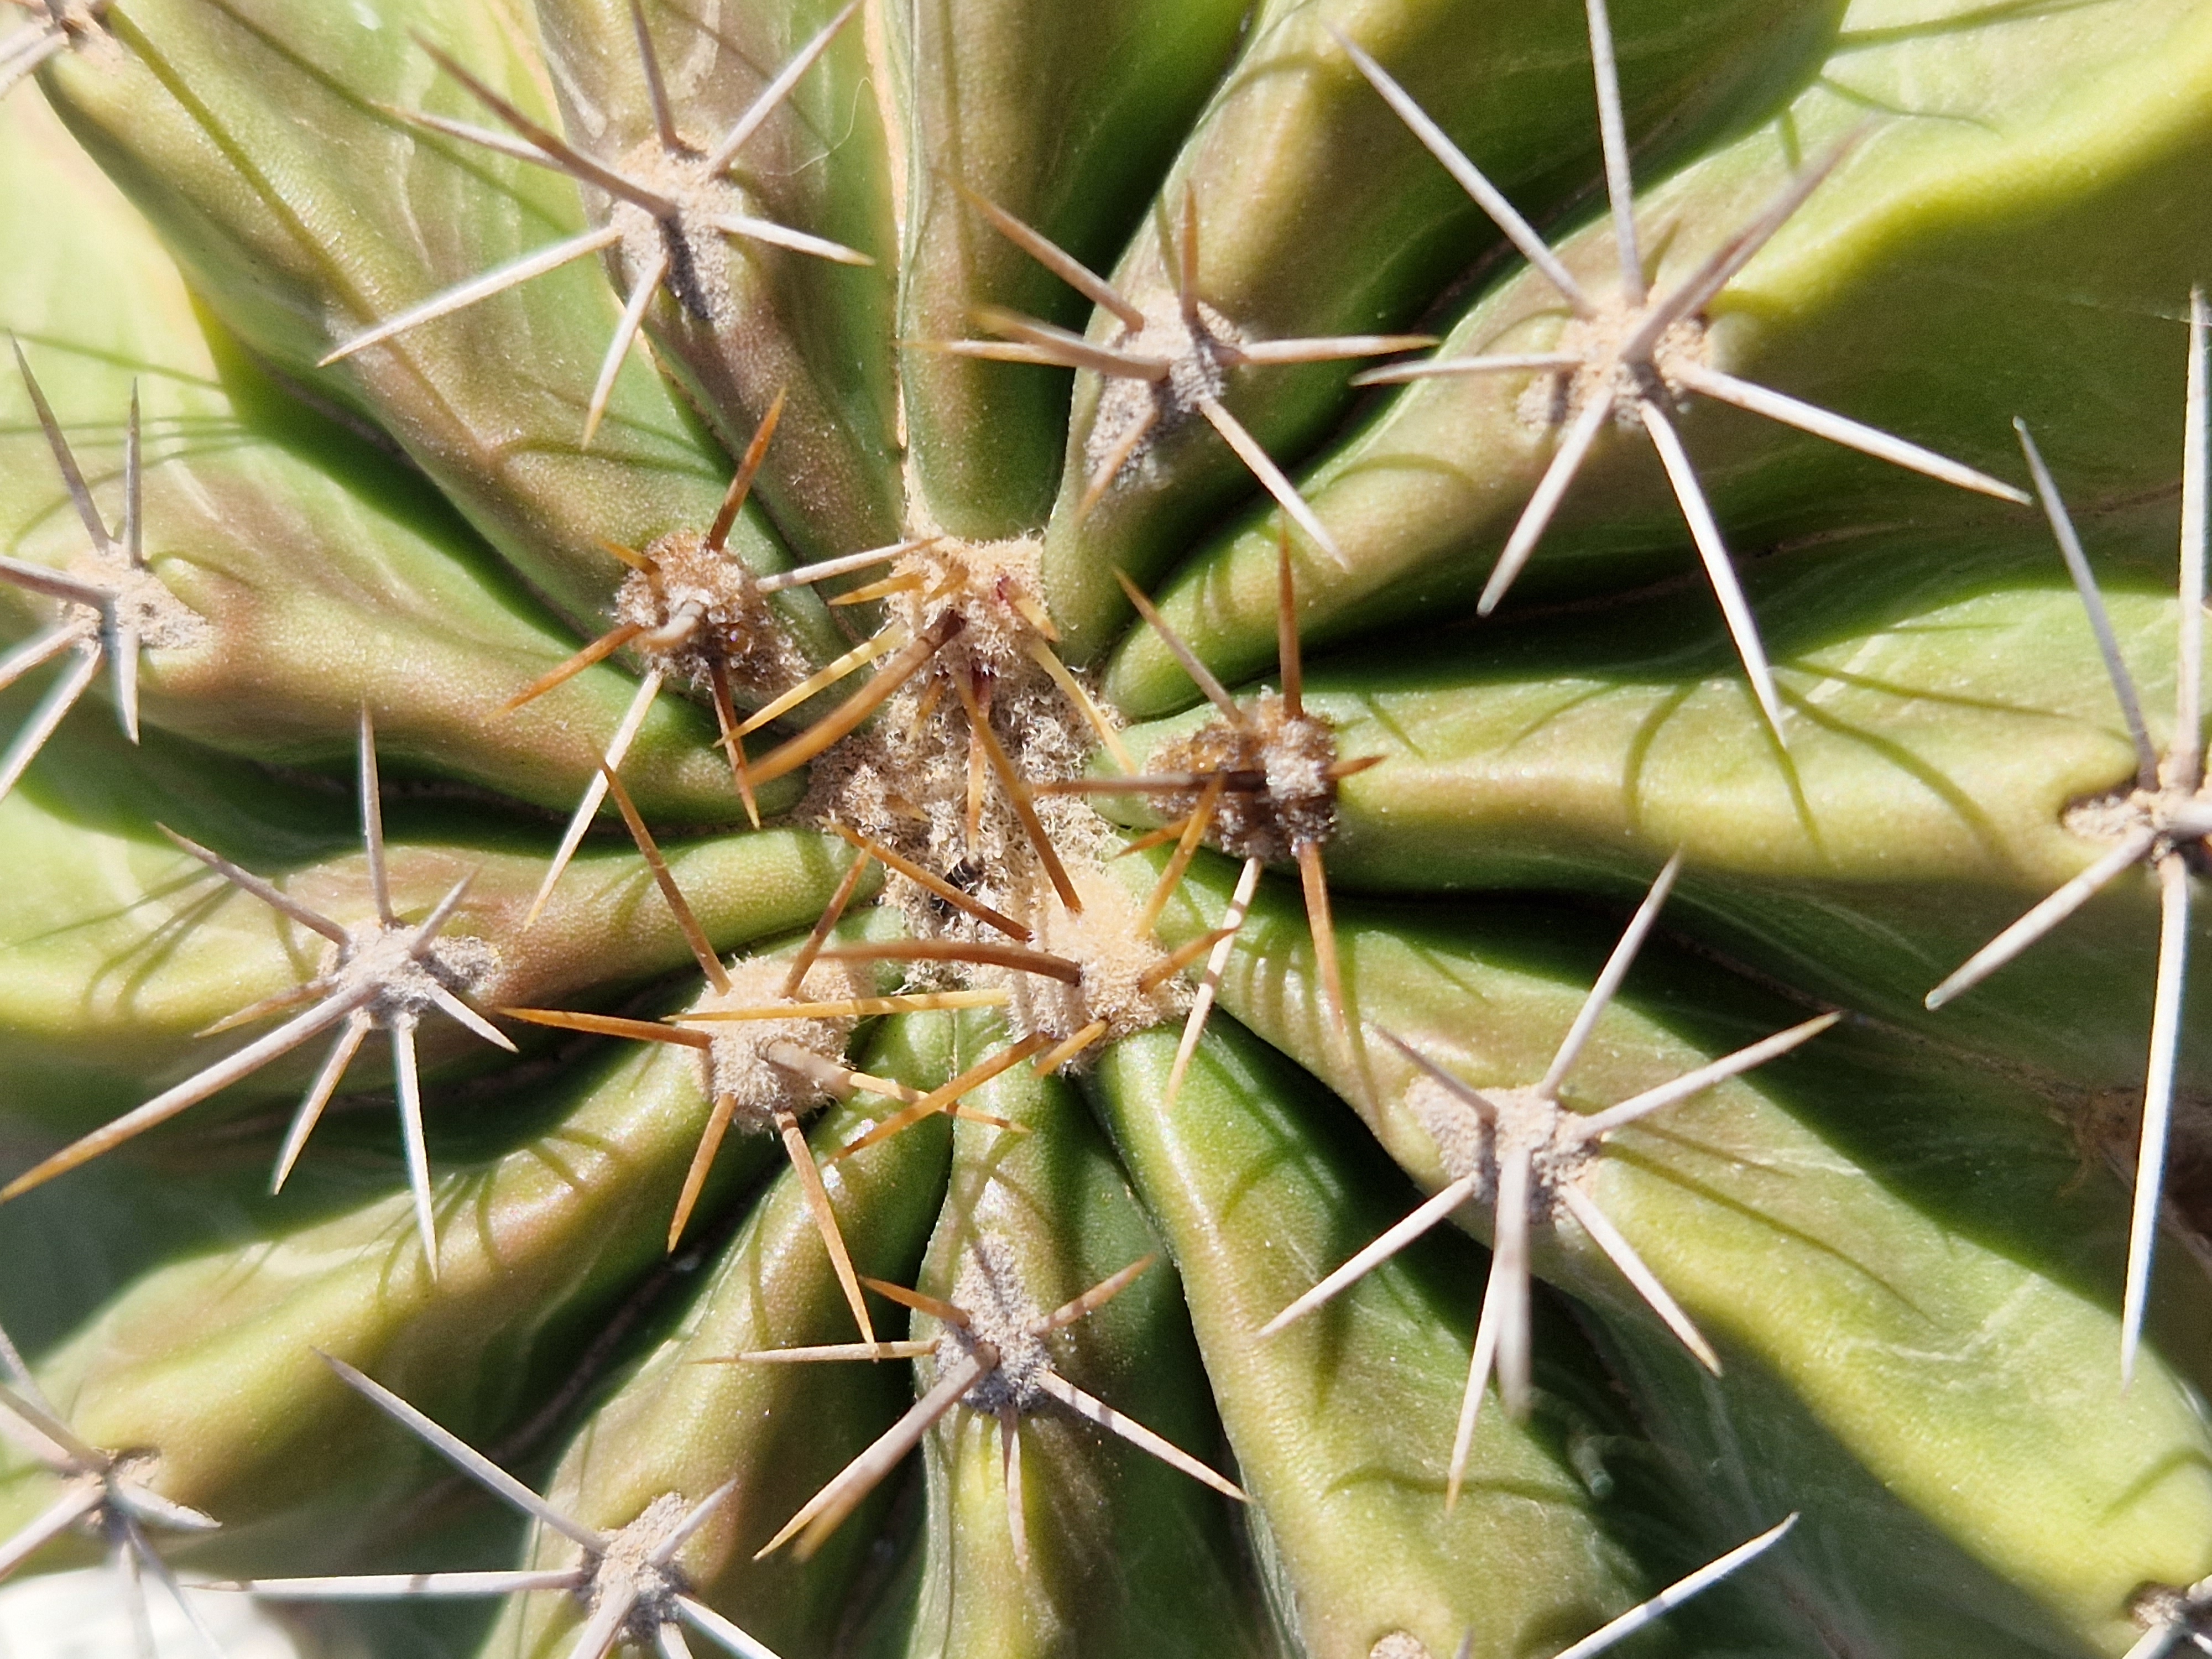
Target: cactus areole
1279,828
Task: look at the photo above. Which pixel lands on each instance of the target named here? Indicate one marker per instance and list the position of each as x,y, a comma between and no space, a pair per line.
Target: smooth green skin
1910,1590
1066,116
1319,214
817,330
1126,1556
1343,1424
1945,715
212,1358
2016,251
327,575
686,1423
1980,1271
245,131
119,947
1907,1253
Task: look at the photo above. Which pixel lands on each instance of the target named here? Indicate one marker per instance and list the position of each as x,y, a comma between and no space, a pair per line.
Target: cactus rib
832,973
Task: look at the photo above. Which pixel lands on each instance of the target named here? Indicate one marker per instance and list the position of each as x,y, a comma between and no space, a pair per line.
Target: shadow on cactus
804,690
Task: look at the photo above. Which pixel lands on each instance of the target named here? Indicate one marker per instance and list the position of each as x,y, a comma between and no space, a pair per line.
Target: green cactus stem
1253,828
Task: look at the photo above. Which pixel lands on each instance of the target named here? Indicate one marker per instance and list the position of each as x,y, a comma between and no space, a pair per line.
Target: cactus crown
1025,988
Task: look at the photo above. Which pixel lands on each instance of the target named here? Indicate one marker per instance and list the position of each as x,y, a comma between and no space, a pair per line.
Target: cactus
1252,827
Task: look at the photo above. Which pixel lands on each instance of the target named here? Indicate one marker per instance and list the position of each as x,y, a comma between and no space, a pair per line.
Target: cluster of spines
1632,367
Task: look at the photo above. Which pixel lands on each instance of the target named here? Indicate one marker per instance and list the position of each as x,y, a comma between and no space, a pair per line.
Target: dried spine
109,1494
1633,356
626,1582
1163,368
1526,1156
379,974
2163,821
112,605
992,1357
